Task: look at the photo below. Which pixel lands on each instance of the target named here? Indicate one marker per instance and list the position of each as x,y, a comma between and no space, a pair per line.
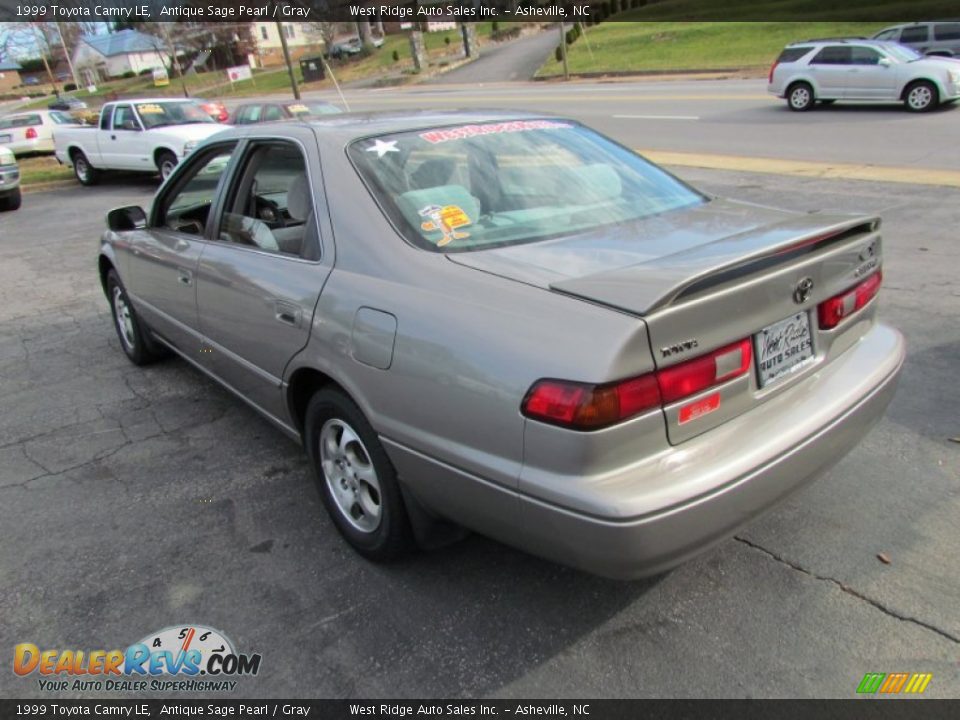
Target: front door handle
287,313
184,277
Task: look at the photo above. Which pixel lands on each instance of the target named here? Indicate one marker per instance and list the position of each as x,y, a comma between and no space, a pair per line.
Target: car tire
132,333
800,97
921,96
11,201
356,479
85,173
166,162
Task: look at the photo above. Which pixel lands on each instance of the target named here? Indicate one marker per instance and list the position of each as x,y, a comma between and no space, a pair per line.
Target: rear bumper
644,545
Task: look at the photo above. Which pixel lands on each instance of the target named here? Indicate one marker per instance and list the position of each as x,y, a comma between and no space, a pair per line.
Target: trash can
312,68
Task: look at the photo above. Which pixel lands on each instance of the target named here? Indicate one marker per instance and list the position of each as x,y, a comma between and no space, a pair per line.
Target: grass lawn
42,169
639,46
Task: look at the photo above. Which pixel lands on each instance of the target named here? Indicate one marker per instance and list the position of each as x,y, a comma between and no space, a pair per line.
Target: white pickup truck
149,135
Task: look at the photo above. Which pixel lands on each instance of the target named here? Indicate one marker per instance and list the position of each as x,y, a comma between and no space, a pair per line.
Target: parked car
9,180
148,135
32,132
68,104
511,324
250,113
826,71
928,38
352,46
215,109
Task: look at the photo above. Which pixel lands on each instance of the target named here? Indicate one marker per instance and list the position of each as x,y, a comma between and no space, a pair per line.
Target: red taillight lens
831,312
31,133
700,373
589,407
772,68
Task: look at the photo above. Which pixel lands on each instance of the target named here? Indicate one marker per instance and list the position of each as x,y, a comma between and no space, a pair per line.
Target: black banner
865,709
417,11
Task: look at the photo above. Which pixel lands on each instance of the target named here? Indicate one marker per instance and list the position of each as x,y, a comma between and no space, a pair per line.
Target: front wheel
922,96
166,162
800,97
133,335
356,479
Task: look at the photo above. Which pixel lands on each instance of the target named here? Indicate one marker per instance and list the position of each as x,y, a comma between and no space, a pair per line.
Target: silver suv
929,38
857,69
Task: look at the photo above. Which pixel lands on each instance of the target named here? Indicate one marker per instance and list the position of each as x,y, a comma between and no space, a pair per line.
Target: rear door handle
184,276
287,313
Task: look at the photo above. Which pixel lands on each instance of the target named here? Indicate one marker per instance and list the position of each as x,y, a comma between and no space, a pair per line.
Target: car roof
844,41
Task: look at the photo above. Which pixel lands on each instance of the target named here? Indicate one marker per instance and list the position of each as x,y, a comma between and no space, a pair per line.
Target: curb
698,73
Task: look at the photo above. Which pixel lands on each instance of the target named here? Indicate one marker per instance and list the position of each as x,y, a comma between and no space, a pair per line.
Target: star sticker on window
381,148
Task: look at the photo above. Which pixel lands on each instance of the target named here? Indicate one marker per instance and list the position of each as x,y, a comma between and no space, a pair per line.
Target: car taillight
582,406
772,68
31,133
831,312
692,376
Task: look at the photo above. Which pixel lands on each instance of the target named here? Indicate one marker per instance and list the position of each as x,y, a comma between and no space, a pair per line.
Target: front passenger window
186,209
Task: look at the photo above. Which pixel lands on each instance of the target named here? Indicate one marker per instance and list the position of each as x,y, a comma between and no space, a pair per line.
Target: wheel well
304,383
792,85
73,152
912,83
105,267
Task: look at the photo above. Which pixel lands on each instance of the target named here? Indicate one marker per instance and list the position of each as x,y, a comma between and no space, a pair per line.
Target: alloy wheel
350,475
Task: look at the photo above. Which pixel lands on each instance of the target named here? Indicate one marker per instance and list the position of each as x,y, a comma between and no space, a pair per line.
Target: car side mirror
122,219
885,62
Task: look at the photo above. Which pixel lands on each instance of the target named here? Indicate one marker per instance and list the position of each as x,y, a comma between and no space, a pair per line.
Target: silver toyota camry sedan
510,324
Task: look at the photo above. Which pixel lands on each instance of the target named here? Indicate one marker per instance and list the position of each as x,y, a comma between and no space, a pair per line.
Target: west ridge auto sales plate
783,348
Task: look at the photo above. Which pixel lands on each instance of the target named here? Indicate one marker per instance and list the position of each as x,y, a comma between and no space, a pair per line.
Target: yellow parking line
806,168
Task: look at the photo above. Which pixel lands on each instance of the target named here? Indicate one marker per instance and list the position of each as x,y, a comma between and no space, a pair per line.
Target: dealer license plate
6,139
783,348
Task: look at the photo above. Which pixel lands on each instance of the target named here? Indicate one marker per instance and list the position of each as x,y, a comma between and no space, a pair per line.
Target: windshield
455,189
159,114
902,52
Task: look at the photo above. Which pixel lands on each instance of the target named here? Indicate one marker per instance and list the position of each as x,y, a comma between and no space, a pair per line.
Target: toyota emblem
802,292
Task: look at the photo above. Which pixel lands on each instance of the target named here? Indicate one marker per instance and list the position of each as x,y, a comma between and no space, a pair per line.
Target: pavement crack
850,591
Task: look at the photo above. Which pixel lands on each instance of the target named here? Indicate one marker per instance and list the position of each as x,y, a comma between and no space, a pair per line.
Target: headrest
433,172
298,197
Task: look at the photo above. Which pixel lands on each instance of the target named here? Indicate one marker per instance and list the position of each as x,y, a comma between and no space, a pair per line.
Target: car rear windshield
156,115
471,187
792,54
21,121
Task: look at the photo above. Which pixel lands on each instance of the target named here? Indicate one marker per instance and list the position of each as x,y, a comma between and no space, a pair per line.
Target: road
133,499
514,60
725,117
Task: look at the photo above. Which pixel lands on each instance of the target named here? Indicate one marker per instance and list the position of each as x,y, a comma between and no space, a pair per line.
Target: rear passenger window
272,112
832,55
914,34
947,31
790,55
270,206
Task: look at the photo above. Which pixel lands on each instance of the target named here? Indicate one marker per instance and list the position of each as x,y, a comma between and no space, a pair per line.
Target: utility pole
563,51
286,59
66,53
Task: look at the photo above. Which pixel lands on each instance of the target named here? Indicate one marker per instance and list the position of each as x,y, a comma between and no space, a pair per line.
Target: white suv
855,69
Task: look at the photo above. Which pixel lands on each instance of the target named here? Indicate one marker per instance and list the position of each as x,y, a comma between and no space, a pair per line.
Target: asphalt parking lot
133,499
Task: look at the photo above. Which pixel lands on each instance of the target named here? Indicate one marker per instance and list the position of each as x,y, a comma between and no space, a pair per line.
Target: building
9,75
100,57
302,39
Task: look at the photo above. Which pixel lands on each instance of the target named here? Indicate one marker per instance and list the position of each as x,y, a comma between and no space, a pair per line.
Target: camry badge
802,292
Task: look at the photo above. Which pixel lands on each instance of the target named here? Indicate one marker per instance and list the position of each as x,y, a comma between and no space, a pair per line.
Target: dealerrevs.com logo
183,658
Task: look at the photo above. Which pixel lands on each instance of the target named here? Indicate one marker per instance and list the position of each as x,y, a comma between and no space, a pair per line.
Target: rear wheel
800,97
85,173
356,479
166,162
11,201
921,96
